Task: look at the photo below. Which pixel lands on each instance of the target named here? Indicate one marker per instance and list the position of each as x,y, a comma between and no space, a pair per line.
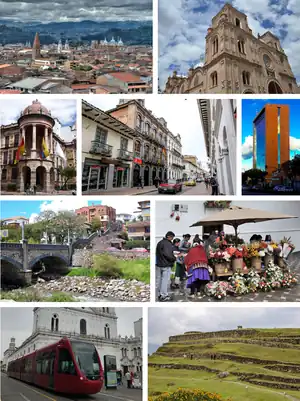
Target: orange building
106,214
271,138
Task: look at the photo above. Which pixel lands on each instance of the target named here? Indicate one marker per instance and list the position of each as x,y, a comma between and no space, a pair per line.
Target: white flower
262,253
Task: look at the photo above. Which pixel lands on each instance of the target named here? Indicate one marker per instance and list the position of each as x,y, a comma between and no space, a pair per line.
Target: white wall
196,211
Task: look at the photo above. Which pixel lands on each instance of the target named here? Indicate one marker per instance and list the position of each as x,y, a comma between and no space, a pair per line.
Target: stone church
236,61
95,325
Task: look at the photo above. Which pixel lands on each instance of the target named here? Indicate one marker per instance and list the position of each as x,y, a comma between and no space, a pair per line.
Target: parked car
190,183
199,180
282,188
170,186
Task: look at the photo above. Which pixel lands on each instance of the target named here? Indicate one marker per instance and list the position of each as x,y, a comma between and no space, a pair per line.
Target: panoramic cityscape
158,146
86,350
103,48
90,251
270,147
228,47
38,146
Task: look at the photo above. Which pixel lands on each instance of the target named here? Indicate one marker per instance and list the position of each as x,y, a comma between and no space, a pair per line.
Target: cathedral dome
36,108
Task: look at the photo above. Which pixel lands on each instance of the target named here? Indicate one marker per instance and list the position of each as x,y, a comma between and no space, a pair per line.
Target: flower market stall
256,266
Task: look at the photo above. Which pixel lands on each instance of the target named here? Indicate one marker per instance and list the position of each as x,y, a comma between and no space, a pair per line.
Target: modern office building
271,139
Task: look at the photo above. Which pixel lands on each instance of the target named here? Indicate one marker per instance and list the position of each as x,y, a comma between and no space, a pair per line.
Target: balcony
101,149
177,164
138,155
154,159
124,154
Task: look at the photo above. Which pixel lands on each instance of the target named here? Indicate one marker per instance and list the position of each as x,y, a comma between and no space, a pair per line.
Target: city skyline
21,325
181,115
184,45
101,10
250,108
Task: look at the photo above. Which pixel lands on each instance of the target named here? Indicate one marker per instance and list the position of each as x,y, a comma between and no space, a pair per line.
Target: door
66,379
51,370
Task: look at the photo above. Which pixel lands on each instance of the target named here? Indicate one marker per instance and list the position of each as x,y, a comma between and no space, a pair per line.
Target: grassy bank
30,295
108,266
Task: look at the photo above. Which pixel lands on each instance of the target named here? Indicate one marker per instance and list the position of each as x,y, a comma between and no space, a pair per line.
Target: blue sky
63,110
165,322
249,110
183,25
31,209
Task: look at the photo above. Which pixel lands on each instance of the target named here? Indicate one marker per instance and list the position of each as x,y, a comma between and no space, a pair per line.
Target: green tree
95,225
140,218
255,175
123,235
68,225
67,174
47,223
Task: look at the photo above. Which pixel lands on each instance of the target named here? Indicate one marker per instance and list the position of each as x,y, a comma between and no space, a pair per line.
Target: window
134,352
214,79
5,157
54,323
241,46
237,22
82,326
147,126
105,310
4,174
137,146
16,140
246,78
267,61
101,135
7,141
107,331
124,143
65,363
215,45
139,121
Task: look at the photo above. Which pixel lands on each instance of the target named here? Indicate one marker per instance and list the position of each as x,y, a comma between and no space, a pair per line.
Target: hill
243,364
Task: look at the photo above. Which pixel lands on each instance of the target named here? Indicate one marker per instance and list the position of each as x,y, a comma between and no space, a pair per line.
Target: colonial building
95,325
192,168
175,160
36,129
106,214
218,119
107,151
236,61
14,222
150,143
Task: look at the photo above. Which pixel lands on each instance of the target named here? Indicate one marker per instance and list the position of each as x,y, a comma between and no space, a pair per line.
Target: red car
170,186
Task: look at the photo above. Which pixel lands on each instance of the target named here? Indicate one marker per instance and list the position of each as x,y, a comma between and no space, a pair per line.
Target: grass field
237,386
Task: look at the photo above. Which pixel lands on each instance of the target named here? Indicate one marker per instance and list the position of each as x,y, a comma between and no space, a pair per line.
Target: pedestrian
196,238
131,379
180,272
214,185
197,267
165,260
140,183
128,379
156,182
206,183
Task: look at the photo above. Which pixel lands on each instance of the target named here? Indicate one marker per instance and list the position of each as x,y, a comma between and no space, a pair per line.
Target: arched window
214,79
137,146
225,139
241,46
134,352
246,78
105,310
147,126
215,45
107,331
82,326
54,323
237,22
139,351
139,121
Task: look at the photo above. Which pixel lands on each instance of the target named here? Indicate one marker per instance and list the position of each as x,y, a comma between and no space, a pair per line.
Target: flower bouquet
220,260
253,280
218,289
264,285
238,264
238,283
289,279
286,247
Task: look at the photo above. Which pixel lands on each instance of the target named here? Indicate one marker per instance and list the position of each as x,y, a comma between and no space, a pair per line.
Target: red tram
68,366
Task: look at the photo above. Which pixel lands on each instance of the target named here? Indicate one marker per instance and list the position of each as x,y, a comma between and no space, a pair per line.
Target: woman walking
197,267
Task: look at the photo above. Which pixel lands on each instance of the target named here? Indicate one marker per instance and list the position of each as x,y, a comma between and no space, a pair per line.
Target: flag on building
60,153
164,151
44,151
20,151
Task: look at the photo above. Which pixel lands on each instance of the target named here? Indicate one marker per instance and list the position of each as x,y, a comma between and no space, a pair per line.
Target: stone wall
225,333
84,257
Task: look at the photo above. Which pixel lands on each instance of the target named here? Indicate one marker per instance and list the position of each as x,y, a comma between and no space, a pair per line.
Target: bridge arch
11,273
60,259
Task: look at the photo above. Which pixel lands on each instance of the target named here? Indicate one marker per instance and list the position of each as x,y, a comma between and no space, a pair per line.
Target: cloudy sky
18,323
63,110
183,25
182,117
31,209
166,322
70,10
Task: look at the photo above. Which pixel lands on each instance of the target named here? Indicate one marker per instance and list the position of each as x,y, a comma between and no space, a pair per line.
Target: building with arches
34,127
236,61
218,120
95,325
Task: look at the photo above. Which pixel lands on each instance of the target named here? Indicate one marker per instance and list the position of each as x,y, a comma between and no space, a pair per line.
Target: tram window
45,367
65,363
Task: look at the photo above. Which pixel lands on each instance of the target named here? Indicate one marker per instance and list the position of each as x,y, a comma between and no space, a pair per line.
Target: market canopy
235,216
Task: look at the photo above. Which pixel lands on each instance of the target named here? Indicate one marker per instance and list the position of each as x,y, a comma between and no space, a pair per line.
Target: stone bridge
19,262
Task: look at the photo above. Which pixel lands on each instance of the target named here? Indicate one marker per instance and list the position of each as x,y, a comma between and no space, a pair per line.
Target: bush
106,266
82,271
12,187
22,296
138,269
137,244
60,297
188,395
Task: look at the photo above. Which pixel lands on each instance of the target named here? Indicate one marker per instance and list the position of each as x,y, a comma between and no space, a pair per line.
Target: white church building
95,325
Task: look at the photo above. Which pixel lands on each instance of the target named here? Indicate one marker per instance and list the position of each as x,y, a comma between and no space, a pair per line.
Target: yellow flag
45,149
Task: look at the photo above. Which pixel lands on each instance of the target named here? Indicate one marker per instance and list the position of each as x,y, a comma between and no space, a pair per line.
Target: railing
125,154
138,155
101,148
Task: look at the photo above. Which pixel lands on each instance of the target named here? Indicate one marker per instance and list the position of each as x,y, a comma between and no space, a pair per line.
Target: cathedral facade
95,325
236,61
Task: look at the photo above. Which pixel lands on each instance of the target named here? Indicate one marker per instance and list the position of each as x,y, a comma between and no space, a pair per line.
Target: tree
68,225
123,235
255,175
95,225
140,217
67,174
47,223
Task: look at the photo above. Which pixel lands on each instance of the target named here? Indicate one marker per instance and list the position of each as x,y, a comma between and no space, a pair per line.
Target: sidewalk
124,191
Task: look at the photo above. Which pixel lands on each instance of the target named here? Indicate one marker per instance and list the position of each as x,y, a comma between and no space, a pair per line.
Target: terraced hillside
243,364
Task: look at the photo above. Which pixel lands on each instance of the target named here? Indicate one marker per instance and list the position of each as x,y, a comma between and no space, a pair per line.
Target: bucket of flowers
289,279
218,289
238,283
269,254
253,280
221,262
283,251
238,264
255,252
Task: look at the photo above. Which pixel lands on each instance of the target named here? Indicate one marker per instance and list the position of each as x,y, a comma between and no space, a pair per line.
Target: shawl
196,255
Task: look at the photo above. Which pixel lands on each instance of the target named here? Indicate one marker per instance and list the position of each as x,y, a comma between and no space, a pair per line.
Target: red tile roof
125,76
9,91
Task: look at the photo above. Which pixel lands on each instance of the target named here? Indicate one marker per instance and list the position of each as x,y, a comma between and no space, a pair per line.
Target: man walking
214,185
128,379
165,260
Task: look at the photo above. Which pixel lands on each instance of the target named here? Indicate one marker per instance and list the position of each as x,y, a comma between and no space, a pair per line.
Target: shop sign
138,161
96,166
120,168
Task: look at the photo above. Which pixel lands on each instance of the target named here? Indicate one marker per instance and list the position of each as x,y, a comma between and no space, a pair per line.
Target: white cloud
32,218
247,146
294,143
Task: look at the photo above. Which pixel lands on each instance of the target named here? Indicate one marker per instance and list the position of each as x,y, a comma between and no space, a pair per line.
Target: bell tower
36,48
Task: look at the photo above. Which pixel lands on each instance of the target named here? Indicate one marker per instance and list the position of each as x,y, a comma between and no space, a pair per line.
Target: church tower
59,47
36,48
